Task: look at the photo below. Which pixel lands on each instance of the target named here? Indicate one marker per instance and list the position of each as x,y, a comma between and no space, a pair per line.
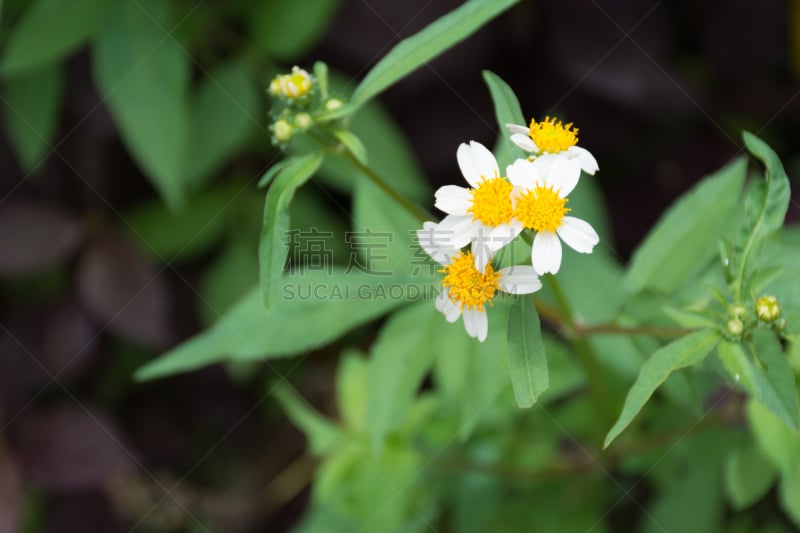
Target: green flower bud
767,308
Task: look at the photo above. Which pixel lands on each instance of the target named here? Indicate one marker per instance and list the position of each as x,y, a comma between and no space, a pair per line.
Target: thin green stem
393,193
401,200
598,389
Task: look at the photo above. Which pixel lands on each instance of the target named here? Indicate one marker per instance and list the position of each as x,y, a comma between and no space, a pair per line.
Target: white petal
564,174
586,160
453,200
481,254
484,160
516,128
519,279
503,234
476,163
524,142
455,231
448,308
430,240
546,253
524,173
467,167
578,234
476,323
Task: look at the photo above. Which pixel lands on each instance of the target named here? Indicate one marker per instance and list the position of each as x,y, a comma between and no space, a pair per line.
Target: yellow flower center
491,202
552,136
467,286
541,209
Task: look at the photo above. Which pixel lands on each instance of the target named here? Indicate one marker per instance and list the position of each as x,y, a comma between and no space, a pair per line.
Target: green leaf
272,246
398,362
276,169
228,278
315,308
748,476
352,384
527,360
417,50
224,110
508,111
284,29
382,232
789,494
321,434
691,504
776,388
48,31
184,235
686,235
764,209
780,444
32,102
353,144
684,352
321,73
687,318
145,76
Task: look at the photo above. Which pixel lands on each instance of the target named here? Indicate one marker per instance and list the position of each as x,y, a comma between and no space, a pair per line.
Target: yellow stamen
491,202
467,286
541,209
552,136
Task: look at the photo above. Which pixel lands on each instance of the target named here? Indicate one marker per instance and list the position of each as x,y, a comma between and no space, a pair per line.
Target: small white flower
550,140
540,198
482,214
466,289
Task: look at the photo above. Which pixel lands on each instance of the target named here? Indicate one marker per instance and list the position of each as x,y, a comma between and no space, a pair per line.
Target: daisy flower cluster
532,196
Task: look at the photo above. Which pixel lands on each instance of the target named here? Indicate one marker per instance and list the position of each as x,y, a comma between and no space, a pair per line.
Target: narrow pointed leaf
399,361
272,248
687,234
775,384
420,48
687,351
144,74
764,209
527,360
320,432
353,144
507,111
32,103
748,476
49,30
313,309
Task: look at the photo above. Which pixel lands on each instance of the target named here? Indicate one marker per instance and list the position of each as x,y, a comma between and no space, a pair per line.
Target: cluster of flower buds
765,312
297,99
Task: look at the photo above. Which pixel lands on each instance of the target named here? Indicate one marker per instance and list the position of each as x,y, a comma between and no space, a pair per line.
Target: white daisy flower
466,290
482,214
549,140
540,199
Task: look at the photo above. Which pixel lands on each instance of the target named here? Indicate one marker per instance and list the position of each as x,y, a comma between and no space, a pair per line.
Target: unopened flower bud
333,103
737,311
303,120
767,308
282,130
735,327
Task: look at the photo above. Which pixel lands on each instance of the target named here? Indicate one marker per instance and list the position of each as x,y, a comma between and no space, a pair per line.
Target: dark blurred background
659,90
